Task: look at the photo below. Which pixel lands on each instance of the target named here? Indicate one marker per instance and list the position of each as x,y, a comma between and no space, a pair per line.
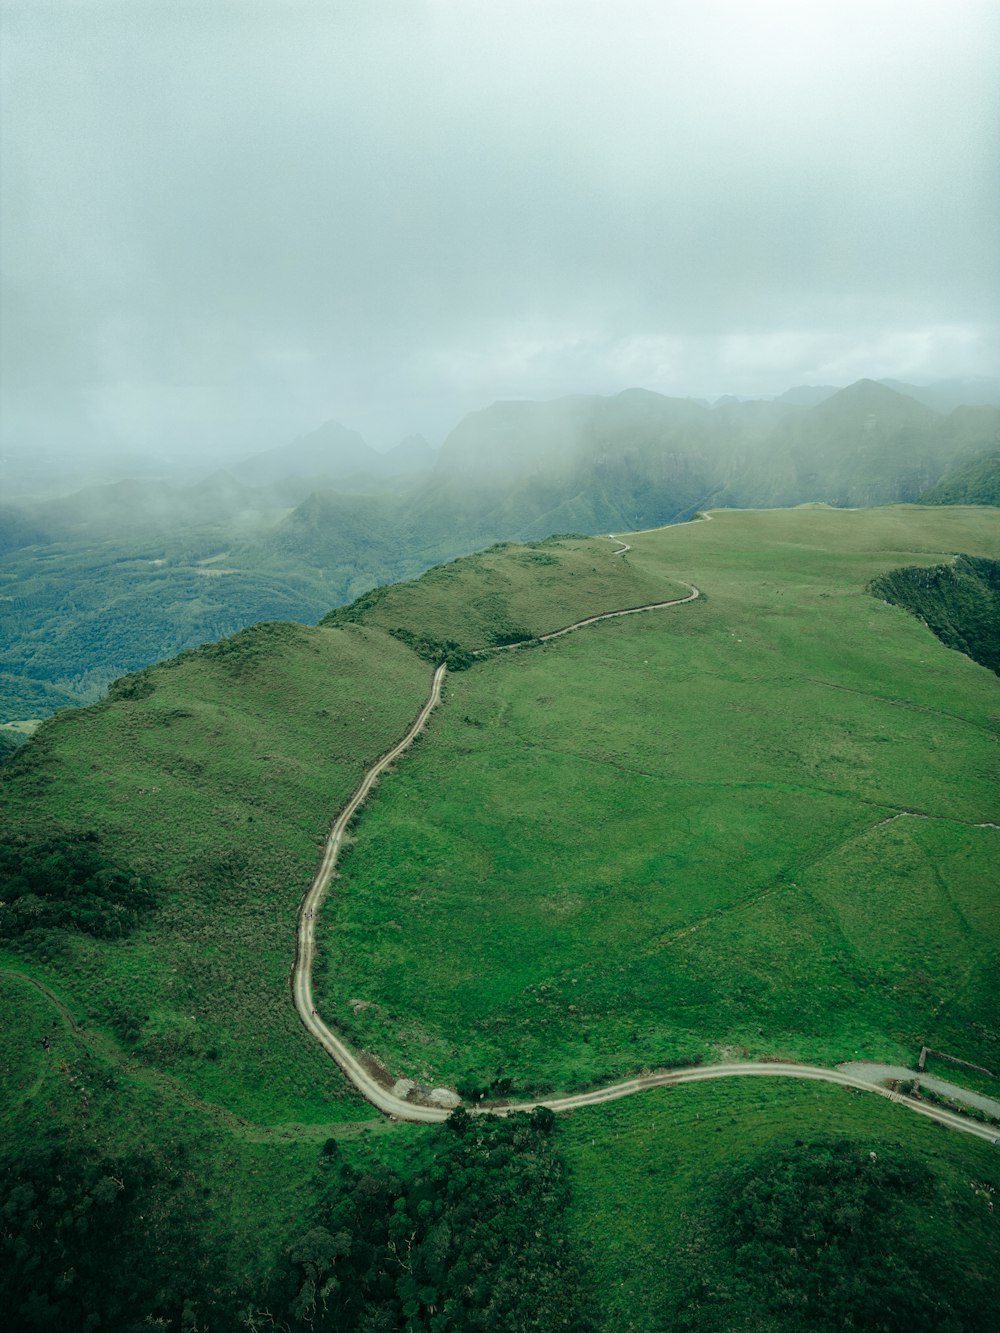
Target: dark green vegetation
118,576
823,1226
972,482
78,1234
122,1205
473,1237
10,740
77,615
214,1223
960,602
755,1204
65,883
754,822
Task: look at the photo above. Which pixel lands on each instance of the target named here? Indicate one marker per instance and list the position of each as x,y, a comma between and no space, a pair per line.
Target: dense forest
468,1234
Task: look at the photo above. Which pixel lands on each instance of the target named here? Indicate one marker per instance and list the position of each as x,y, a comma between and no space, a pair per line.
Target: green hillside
756,1204
696,828
975,481
960,602
511,592
663,836
116,576
215,776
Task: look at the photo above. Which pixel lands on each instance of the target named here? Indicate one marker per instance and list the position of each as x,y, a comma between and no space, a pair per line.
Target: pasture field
216,776
650,1173
667,836
749,823
511,592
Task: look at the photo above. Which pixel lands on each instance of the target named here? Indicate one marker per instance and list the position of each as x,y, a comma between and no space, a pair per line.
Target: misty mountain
19,527
945,395
143,509
121,575
337,543
330,451
864,445
808,395
620,461
411,455
333,453
638,458
973,481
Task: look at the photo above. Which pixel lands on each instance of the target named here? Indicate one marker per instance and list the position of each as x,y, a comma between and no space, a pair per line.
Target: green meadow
215,777
654,1177
745,824
511,592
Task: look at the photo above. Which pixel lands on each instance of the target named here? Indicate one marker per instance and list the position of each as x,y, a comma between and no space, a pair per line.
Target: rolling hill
756,823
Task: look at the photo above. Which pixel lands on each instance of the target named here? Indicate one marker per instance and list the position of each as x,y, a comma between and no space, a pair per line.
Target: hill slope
509,593
163,1077
121,575
679,817
975,481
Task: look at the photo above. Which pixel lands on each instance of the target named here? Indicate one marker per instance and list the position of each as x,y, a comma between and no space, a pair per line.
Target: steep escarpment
960,602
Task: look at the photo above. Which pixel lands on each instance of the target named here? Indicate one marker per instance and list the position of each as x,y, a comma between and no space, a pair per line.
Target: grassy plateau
757,822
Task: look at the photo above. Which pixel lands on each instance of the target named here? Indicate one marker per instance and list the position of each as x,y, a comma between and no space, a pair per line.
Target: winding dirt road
377,1086
361,1072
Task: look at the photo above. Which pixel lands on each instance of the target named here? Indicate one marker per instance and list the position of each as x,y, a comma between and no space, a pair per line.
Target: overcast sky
224,223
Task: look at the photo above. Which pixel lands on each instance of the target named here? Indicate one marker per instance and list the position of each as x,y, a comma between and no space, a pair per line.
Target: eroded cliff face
959,601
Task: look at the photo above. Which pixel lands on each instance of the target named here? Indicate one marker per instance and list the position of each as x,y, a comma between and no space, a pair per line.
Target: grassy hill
667,835
119,575
707,828
732,1206
510,592
215,776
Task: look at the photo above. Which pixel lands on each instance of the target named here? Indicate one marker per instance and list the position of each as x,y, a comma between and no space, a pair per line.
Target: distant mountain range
116,576
334,453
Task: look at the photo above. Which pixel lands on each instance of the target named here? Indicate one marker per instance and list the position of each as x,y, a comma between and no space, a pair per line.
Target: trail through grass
216,777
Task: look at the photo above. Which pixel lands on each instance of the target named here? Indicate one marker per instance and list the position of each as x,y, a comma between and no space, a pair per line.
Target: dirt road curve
357,1069
435,1105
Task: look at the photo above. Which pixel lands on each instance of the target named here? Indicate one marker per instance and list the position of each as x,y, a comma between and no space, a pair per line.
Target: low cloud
223,223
